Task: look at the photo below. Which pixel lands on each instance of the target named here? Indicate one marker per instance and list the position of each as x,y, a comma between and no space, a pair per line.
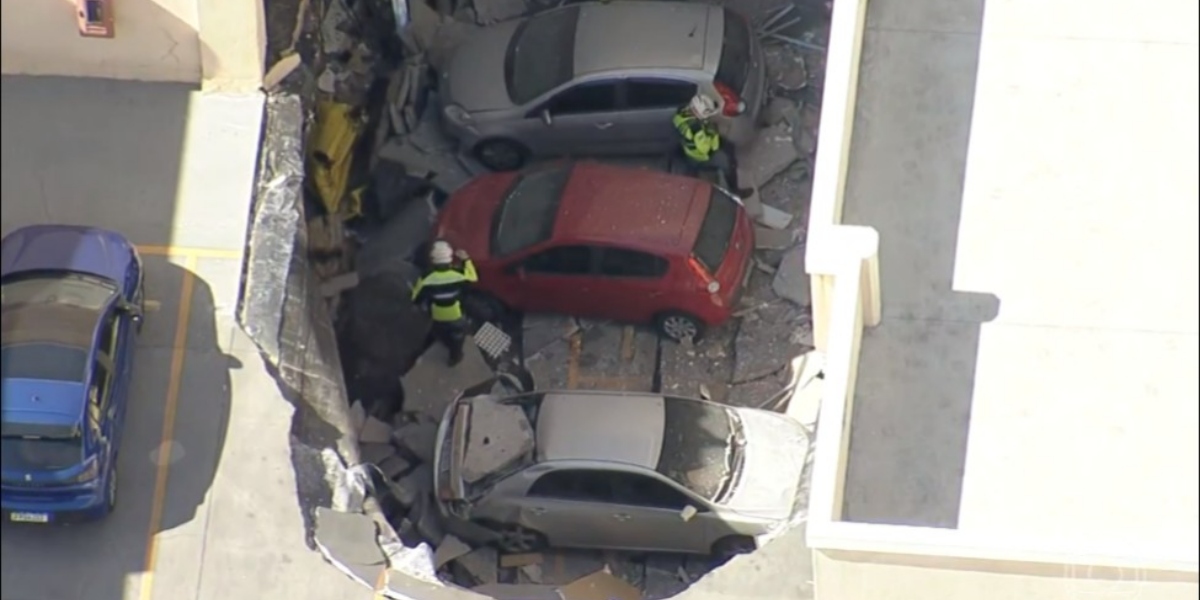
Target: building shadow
108,154
916,376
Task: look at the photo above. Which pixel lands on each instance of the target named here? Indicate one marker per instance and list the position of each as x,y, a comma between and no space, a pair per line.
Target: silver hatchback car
599,79
624,471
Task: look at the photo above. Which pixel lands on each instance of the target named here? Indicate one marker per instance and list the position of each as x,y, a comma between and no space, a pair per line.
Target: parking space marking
178,352
575,342
190,252
627,334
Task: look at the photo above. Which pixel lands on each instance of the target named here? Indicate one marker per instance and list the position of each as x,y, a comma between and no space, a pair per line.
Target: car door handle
622,517
603,125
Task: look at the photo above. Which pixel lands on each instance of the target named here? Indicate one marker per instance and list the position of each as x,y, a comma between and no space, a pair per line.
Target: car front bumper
51,507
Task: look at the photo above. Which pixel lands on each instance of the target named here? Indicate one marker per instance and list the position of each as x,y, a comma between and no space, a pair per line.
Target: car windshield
527,215
45,361
541,56
699,448
734,67
30,447
70,289
715,231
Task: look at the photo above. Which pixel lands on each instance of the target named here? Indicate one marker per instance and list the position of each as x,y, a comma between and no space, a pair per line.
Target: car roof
49,324
601,426
604,203
633,35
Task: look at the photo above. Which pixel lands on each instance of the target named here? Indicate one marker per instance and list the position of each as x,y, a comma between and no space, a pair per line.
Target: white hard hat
703,106
441,253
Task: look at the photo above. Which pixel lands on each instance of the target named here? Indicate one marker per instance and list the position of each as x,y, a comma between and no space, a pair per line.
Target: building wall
218,43
870,576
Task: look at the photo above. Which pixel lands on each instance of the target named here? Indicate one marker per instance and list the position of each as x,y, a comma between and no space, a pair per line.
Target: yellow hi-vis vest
700,138
442,289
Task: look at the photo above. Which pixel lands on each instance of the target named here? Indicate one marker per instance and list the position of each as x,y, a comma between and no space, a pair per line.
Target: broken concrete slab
530,574
374,431
393,466
792,282
774,218
480,564
431,385
500,435
488,12
347,540
518,591
766,238
419,438
429,524
509,561
600,585
375,453
768,155
777,110
412,488
450,549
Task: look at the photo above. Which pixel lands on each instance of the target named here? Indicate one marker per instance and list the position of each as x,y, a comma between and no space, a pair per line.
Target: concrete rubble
500,435
792,282
771,151
431,384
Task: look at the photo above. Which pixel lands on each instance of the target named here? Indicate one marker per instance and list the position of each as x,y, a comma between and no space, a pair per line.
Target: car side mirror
688,513
546,118
132,310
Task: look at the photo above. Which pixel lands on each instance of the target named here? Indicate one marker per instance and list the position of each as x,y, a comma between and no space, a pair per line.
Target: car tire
518,539
733,545
484,307
678,326
501,154
110,493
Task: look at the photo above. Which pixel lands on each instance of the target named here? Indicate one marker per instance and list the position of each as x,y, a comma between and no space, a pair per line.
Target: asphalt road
207,507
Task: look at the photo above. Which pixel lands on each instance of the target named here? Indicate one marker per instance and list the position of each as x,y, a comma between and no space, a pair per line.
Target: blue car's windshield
70,289
40,447
45,361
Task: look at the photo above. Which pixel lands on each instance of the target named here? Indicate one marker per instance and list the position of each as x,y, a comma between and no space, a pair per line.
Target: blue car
72,301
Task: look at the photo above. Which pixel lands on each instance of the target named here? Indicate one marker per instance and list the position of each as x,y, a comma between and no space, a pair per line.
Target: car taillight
731,103
701,273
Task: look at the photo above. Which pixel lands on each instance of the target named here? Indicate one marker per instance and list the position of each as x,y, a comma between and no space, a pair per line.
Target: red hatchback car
605,242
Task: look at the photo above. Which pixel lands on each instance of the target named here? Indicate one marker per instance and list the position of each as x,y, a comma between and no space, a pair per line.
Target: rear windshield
734,66
697,450
541,56
715,231
41,447
528,214
53,362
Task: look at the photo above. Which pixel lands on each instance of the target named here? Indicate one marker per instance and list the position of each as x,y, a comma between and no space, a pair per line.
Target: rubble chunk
375,453
518,591
392,466
480,564
411,488
531,573
774,218
600,585
776,110
500,435
419,438
791,281
766,238
450,549
769,154
358,415
432,384
429,525
509,561
374,431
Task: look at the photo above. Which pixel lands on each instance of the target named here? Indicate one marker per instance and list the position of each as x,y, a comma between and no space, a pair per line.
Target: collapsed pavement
379,167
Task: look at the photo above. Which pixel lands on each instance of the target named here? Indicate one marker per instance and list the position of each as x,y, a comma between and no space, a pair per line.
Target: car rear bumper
57,506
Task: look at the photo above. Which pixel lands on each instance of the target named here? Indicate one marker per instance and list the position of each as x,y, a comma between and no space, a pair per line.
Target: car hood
475,78
775,452
59,248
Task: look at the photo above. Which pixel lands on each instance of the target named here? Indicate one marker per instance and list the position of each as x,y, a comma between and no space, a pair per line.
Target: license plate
27,517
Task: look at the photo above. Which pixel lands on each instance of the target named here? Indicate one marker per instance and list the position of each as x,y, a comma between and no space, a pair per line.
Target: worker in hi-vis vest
700,141
441,292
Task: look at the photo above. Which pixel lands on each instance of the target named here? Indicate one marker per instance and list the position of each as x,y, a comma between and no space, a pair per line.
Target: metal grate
492,341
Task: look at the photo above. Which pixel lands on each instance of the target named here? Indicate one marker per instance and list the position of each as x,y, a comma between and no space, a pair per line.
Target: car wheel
110,494
518,539
501,154
678,327
484,307
731,546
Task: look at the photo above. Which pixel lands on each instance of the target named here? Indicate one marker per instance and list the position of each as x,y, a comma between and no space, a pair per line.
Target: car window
528,213
698,450
733,69
541,55
52,362
108,333
620,262
563,260
98,388
596,97
715,231
638,490
584,486
658,93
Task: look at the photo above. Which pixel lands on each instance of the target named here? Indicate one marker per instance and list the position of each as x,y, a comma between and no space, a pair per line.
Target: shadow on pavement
916,378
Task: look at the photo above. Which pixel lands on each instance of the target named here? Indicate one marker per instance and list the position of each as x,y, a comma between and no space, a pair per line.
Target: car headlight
90,471
456,114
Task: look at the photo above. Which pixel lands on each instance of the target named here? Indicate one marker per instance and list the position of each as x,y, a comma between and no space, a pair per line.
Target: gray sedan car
624,471
599,78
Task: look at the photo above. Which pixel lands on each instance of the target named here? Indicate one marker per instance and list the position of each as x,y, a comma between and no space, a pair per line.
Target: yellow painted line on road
575,343
627,334
190,252
178,352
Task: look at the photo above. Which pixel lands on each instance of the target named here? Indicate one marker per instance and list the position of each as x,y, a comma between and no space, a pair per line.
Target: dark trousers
452,335
721,161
